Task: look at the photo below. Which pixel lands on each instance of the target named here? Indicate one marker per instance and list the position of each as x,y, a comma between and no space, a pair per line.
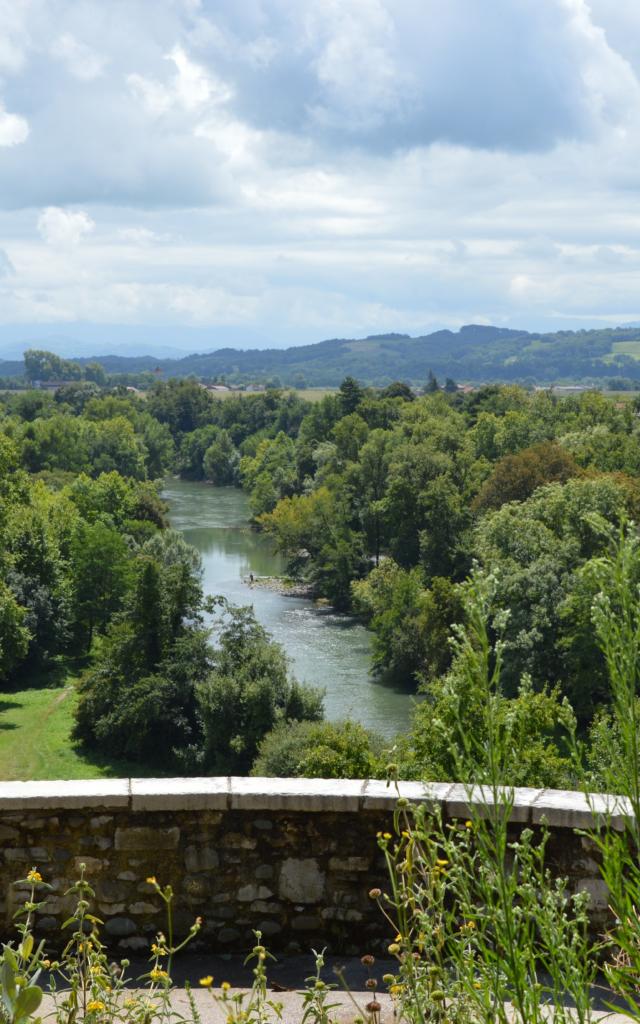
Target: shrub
325,750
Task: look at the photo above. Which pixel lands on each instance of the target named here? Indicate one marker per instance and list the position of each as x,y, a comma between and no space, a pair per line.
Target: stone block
92,866
149,839
248,893
598,892
237,841
140,907
136,944
110,891
301,881
200,858
120,927
269,928
264,871
349,863
228,935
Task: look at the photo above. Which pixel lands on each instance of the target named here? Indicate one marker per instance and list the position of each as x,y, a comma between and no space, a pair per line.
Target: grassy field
310,394
35,736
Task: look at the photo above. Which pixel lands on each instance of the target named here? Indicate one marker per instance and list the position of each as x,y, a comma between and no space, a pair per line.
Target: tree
248,692
516,477
432,384
350,394
100,573
221,461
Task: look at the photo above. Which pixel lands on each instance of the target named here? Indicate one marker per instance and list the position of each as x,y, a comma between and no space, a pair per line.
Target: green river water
324,648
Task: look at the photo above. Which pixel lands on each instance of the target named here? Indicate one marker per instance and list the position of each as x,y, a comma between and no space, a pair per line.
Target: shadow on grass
118,767
8,705
50,676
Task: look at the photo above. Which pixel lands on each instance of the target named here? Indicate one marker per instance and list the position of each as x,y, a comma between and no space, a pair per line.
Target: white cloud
192,88
60,227
79,59
13,128
140,236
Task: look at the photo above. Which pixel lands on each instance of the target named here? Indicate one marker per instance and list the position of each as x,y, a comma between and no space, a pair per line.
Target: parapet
294,858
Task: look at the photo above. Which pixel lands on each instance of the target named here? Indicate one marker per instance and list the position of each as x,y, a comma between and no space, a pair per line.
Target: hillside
474,353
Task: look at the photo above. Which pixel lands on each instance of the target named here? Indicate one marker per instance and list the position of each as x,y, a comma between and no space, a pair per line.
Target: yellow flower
468,824
394,948
395,990
95,1006
225,986
442,863
34,876
207,982
386,835
95,969
151,880
157,975
158,950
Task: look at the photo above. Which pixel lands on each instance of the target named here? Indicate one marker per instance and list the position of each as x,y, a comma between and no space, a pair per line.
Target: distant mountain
474,353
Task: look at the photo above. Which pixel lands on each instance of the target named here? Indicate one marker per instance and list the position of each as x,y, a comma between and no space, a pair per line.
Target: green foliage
248,692
467,720
326,750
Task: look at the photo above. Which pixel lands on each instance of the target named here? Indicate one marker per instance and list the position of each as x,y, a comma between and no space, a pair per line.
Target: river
325,649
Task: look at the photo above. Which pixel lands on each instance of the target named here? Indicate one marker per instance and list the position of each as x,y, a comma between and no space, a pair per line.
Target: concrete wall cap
107,793
177,794
296,794
560,808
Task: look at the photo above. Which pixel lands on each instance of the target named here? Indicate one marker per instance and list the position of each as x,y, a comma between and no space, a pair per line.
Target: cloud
64,227
7,268
80,60
13,129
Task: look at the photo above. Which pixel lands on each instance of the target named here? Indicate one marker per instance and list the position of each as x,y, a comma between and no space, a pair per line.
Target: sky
191,173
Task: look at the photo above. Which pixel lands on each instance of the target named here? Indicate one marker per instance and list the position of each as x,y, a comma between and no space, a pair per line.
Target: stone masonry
294,858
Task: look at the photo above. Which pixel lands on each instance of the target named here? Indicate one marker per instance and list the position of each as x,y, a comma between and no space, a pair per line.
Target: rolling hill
474,353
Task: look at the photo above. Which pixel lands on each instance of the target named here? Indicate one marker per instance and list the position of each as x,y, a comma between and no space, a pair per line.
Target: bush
325,750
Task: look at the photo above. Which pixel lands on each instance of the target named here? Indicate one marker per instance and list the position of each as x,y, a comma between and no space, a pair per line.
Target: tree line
386,503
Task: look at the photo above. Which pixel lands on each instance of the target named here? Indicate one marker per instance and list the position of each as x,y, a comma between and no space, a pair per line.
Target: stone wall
295,858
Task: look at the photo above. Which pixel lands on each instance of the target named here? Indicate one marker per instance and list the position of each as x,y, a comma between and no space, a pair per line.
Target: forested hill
474,353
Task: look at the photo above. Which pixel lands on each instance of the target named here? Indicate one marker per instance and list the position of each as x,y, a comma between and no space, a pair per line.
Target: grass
310,394
35,735
627,348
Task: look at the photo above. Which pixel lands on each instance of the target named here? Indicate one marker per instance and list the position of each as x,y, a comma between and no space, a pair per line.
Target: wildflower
225,986
34,876
442,863
95,969
158,975
398,938
468,824
151,880
386,835
207,982
389,979
394,948
375,894
95,1006
371,983
367,960
373,1006
158,950
395,990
